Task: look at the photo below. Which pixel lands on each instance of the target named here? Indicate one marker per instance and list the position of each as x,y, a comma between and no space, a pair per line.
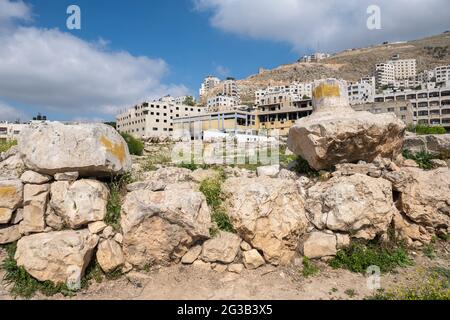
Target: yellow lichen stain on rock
4,212
327,91
116,149
7,192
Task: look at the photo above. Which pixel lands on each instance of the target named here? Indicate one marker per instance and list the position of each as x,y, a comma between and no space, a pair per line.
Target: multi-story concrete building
221,103
430,106
209,83
313,58
403,68
293,92
153,119
396,69
361,92
384,74
442,74
402,109
230,88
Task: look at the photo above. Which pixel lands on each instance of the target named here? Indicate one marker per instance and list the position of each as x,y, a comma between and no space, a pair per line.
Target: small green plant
422,158
117,187
302,166
22,283
428,251
189,166
135,146
212,189
350,292
358,257
309,269
6,145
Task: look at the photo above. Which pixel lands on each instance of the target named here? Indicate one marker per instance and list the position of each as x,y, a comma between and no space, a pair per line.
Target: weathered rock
96,227
252,259
438,144
192,255
108,232
358,204
52,256
53,220
223,248
159,227
319,244
245,246
342,241
34,177
67,176
169,175
109,255
151,185
220,268
12,167
90,149
118,238
437,163
9,234
11,194
268,171
79,203
409,232
410,163
267,213
17,216
202,265
236,268
5,215
348,169
335,133
35,207
425,196
200,175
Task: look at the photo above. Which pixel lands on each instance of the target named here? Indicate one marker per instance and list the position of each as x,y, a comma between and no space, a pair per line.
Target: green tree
189,101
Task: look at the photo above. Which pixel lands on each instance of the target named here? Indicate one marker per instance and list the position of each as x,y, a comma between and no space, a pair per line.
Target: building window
155,129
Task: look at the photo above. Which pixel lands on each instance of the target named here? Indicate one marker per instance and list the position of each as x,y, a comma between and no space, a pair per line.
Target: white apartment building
229,87
208,84
442,74
153,119
395,72
425,76
316,57
404,68
222,103
294,92
384,74
430,106
361,92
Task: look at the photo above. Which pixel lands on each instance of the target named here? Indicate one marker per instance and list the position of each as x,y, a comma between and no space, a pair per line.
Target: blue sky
128,51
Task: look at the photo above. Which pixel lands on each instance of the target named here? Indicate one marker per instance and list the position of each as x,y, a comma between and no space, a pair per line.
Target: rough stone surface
11,194
410,232
17,216
268,171
53,220
12,167
437,163
34,177
252,259
438,144
90,149
109,255
222,248
236,268
358,204
319,244
159,227
192,255
200,175
9,234
35,207
267,213
96,227
79,203
52,256
67,176
334,133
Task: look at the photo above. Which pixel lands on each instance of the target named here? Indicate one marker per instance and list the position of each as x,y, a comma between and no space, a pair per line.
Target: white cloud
327,24
222,71
9,113
55,70
10,11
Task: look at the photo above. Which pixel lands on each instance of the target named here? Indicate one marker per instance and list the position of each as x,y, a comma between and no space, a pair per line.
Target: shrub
135,146
189,166
422,158
309,269
302,166
6,145
358,257
426,129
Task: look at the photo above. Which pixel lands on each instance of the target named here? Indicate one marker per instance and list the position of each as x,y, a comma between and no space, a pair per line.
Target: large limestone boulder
319,244
425,196
160,227
79,203
334,133
109,255
267,213
360,205
90,149
438,144
56,256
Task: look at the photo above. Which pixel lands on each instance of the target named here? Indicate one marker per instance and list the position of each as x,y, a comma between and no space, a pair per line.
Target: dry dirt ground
267,283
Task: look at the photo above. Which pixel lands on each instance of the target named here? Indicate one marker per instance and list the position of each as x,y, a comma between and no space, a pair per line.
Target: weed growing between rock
309,269
423,158
23,284
117,187
156,159
302,166
6,145
135,146
358,257
212,189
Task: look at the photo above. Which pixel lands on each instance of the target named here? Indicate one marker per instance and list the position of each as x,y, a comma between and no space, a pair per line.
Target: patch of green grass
6,145
117,187
212,189
23,284
189,166
426,129
358,257
154,159
350,292
309,269
422,158
135,146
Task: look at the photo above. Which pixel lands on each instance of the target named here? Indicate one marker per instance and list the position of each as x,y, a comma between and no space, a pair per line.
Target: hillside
351,64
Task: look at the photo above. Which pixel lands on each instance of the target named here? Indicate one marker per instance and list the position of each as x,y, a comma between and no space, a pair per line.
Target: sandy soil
267,283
